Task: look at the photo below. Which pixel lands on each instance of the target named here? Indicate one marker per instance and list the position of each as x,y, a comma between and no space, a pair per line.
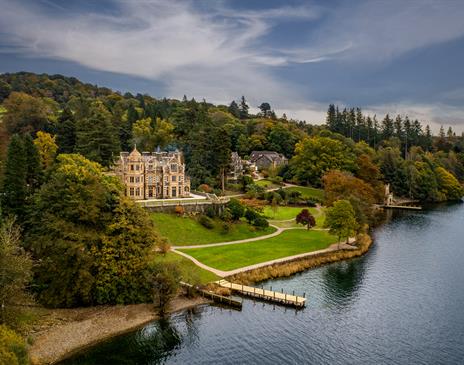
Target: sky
392,56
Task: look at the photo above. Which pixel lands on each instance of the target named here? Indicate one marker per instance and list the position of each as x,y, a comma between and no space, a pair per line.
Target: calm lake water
401,303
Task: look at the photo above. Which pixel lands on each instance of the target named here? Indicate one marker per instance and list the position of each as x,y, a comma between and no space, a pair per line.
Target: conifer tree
234,109
34,173
14,185
243,108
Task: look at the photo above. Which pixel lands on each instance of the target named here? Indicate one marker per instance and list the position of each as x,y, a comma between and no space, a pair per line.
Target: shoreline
291,267
88,327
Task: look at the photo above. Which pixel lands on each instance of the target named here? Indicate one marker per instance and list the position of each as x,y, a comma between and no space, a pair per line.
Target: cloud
200,53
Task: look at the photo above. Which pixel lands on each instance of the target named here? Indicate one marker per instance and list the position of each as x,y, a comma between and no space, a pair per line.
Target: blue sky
386,56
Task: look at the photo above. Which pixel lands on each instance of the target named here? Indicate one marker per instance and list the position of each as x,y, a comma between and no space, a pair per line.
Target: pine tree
331,120
234,109
14,185
387,127
66,132
243,108
34,172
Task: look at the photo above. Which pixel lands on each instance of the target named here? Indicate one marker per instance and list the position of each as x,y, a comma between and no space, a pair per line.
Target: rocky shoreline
86,327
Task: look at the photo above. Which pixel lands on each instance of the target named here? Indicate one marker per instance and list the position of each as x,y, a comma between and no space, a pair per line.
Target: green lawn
307,192
267,184
190,272
182,231
291,242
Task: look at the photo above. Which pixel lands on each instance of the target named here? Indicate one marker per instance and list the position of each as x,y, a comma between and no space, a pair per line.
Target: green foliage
251,215
314,156
16,267
237,210
206,222
12,348
340,219
449,185
92,244
149,134
97,137
164,282
14,185
261,222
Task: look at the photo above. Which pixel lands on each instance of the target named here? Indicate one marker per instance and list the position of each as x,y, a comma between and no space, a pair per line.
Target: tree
5,90
46,148
251,215
164,281
66,132
97,137
234,109
243,108
14,185
265,109
92,243
236,209
34,172
306,218
26,114
15,269
316,155
448,184
149,135
340,219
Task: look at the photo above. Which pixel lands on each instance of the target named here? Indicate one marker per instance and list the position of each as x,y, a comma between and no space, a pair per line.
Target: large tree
316,155
92,244
340,219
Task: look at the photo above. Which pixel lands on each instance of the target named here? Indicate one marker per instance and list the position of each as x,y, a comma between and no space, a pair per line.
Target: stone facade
267,159
236,167
156,175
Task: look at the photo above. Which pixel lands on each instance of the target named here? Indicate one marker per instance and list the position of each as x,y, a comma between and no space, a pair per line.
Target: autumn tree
306,219
46,148
16,267
26,113
340,219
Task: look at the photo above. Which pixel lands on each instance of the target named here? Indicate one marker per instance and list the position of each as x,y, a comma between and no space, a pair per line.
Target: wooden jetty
213,296
268,295
410,207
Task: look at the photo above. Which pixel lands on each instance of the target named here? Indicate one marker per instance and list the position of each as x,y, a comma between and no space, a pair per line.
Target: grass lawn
267,184
285,213
307,192
182,231
190,272
291,242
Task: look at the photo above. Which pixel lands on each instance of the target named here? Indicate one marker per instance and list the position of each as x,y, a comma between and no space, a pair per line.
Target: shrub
311,203
206,222
164,282
251,215
283,194
246,180
163,246
225,228
237,210
226,216
211,212
12,347
179,210
261,222
294,194
205,188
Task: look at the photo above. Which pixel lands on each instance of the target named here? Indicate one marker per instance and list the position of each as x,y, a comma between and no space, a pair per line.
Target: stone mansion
155,175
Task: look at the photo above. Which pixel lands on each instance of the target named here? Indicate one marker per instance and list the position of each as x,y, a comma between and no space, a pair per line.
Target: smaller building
236,167
267,159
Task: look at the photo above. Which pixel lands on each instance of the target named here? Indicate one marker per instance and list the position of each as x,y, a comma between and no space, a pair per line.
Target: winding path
333,247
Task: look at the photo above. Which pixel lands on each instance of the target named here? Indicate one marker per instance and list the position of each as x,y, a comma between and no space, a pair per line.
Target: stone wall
189,207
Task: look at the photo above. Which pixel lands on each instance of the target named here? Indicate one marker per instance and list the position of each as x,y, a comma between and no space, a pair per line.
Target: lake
401,303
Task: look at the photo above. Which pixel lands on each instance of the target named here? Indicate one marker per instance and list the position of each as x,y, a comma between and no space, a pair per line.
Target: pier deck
261,293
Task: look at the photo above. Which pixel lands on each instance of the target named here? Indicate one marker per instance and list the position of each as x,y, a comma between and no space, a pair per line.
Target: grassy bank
298,265
182,231
266,184
288,243
307,192
190,272
287,213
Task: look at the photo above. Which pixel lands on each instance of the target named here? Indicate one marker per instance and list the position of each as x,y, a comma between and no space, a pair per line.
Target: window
137,167
150,179
137,192
132,167
180,191
174,192
173,178
131,179
150,193
137,179
131,192
173,167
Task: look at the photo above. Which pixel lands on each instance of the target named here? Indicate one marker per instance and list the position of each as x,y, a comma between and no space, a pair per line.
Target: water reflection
342,281
153,344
